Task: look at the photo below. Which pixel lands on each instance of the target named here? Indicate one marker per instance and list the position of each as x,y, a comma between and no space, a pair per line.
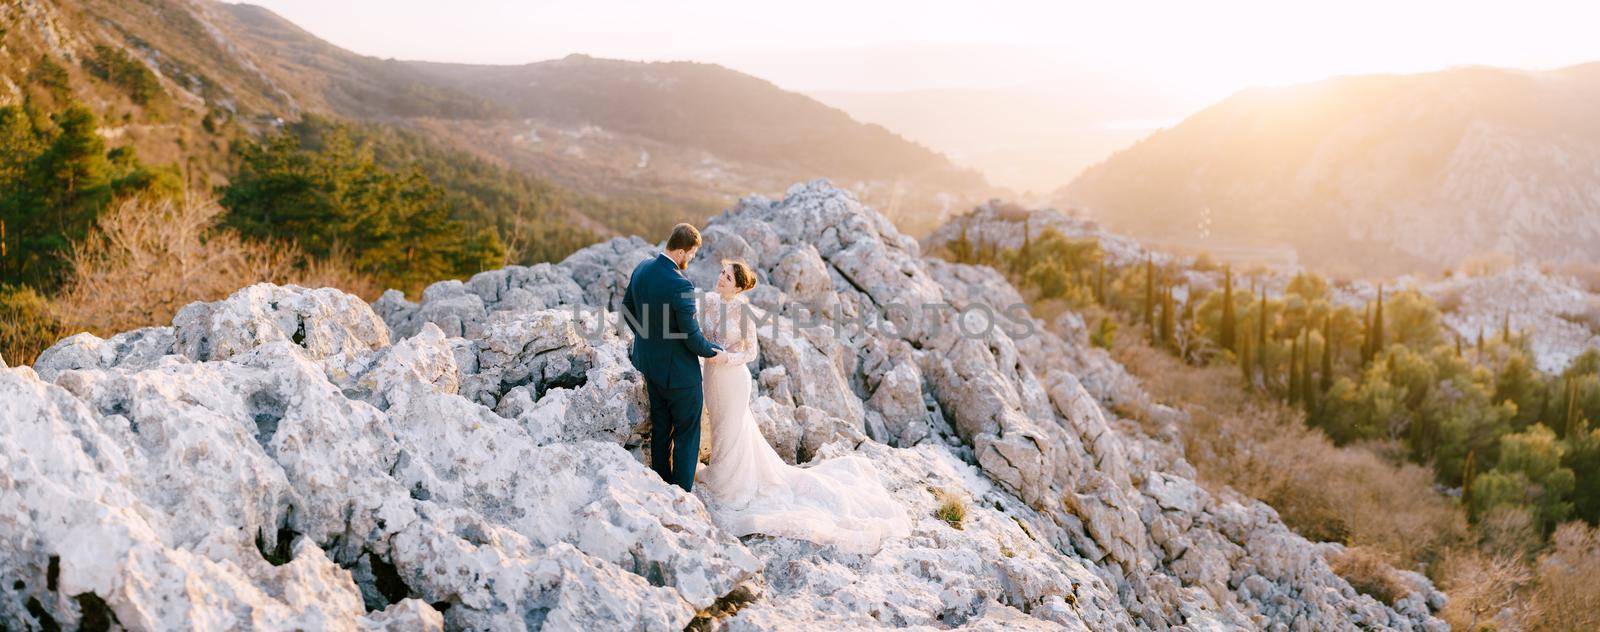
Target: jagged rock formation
292,458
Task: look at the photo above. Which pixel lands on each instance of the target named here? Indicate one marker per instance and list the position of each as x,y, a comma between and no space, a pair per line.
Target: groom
659,306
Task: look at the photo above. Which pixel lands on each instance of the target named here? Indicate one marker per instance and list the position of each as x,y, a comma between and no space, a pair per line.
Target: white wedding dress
750,489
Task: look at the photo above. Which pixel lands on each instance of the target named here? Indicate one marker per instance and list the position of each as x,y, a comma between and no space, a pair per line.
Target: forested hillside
1344,406
122,107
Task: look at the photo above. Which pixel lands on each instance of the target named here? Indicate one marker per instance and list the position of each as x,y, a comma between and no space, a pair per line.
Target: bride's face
725,284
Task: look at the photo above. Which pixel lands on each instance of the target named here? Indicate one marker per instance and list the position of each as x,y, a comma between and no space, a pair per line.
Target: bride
747,486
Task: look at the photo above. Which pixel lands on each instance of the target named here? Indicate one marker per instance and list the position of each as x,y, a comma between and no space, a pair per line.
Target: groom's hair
684,237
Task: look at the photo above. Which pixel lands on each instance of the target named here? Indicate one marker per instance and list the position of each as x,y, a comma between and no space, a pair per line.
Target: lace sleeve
707,315
743,326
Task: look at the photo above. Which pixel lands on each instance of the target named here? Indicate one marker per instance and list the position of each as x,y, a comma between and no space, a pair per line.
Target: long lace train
750,489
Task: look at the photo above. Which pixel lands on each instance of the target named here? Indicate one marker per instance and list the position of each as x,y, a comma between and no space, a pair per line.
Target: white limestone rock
323,321
137,348
471,461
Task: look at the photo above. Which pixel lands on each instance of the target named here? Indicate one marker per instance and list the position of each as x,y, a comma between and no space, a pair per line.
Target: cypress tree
1169,334
1468,474
1307,391
1100,282
1187,323
1027,246
1149,291
961,248
1294,370
1480,343
1228,325
1327,354
1261,336
1377,324
1244,361
1366,338
1505,329
1458,346
1572,408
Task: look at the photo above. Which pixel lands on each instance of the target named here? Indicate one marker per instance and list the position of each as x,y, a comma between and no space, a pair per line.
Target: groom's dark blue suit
659,306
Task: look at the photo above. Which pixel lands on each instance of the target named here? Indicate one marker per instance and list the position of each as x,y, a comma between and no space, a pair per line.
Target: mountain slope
1384,174
708,106
699,135
475,462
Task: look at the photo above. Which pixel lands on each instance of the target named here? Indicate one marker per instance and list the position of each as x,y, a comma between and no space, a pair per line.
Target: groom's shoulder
643,266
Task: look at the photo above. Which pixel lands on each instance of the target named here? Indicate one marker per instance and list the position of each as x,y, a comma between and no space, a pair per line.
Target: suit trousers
675,432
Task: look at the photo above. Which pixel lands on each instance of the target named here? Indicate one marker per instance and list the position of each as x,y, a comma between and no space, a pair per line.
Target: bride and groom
747,486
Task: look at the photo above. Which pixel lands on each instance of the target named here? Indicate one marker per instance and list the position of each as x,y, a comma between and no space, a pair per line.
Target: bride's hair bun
743,277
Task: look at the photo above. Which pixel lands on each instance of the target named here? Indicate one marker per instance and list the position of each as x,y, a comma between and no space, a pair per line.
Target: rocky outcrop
291,458
1557,314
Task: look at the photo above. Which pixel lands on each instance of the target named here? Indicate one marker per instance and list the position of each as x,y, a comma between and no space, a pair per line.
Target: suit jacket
659,306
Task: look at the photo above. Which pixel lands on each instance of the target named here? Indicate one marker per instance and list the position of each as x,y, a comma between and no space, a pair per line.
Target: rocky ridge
293,458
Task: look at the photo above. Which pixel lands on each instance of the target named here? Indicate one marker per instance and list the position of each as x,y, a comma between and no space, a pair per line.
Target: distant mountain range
695,135
1373,174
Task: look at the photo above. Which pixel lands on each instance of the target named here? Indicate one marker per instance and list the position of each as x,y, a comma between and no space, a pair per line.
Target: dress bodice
730,324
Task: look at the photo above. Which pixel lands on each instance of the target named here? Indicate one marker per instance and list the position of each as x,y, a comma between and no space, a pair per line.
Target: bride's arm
709,316
745,349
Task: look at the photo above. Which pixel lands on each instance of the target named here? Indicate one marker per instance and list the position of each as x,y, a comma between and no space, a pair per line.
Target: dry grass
27,325
148,258
1369,572
1263,449
951,509
1567,595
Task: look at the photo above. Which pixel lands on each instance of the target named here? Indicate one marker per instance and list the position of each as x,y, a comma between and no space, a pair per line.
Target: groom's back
658,346
652,286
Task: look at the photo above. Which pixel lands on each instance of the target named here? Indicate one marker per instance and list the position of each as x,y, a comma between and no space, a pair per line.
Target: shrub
1369,572
27,325
1480,587
1105,333
149,257
1567,595
952,510
1264,450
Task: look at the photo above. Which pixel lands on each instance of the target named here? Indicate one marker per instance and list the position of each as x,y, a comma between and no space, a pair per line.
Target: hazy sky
1197,49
